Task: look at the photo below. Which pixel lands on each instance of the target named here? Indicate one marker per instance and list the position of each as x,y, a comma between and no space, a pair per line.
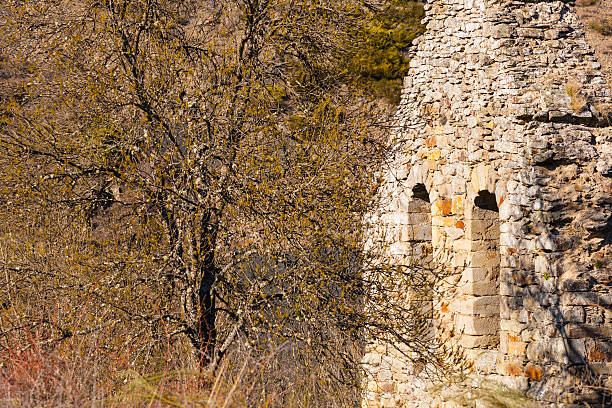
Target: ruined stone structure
503,162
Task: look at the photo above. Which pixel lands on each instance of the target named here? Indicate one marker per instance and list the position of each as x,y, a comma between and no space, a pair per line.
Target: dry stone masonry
503,165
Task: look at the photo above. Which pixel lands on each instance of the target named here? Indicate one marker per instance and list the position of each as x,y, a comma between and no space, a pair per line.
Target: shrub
603,27
383,61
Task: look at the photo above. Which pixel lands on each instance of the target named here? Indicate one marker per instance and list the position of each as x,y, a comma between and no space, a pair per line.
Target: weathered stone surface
505,121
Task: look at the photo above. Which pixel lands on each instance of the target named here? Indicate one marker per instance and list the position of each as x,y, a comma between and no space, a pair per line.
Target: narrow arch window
478,318
418,228
419,234
419,192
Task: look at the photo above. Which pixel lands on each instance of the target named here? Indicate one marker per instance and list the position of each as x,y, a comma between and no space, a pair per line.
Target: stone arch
483,178
417,231
419,174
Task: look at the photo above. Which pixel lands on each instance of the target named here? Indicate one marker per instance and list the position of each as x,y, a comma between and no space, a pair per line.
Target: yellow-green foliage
382,60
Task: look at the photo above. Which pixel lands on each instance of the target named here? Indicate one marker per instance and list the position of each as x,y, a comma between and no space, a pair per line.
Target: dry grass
577,100
596,15
603,27
81,374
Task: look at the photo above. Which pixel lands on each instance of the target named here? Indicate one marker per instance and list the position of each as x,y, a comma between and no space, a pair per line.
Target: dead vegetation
596,16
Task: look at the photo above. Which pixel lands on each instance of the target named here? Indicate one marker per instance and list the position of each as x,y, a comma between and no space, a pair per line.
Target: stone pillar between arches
477,305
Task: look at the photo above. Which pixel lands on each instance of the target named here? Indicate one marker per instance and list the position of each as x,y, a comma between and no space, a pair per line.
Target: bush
603,27
383,60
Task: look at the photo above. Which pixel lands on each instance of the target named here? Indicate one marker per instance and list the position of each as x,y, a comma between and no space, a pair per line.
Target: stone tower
504,145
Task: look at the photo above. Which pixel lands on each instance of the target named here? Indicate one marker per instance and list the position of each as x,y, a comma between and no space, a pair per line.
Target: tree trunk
207,332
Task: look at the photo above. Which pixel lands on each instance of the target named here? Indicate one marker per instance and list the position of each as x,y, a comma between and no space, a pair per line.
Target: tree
209,163
383,61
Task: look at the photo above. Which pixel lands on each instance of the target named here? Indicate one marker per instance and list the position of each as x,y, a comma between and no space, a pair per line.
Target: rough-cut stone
505,122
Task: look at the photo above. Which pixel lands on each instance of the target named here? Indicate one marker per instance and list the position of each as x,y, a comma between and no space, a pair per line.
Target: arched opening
419,192
418,229
419,236
478,318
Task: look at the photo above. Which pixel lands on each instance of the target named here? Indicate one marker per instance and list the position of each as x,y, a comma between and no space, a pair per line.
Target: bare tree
210,164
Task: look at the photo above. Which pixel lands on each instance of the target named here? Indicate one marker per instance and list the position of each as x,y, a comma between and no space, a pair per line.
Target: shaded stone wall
505,120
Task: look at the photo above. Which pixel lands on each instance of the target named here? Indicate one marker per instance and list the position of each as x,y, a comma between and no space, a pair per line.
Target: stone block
533,300
459,260
486,362
558,349
504,309
595,316
506,289
373,387
511,367
574,285
421,216
484,259
503,342
388,386
476,325
457,205
517,348
372,359
482,306
401,377
577,331
387,401
400,248
398,350
462,245
384,375
511,326
482,288
573,314
437,237
602,368
419,210
469,341
529,335
482,230
483,245
523,278
512,382
443,207
448,222
586,299
438,221
483,178
508,240
416,232
542,265
533,372
475,274
453,233
510,212
599,351
510,259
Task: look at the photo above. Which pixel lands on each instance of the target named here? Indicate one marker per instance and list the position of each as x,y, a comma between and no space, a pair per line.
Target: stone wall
505,122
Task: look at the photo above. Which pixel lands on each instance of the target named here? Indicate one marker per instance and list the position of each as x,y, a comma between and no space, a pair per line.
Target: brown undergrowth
82,373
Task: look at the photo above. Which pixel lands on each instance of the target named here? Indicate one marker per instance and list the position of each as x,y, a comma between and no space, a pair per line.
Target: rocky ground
596,15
